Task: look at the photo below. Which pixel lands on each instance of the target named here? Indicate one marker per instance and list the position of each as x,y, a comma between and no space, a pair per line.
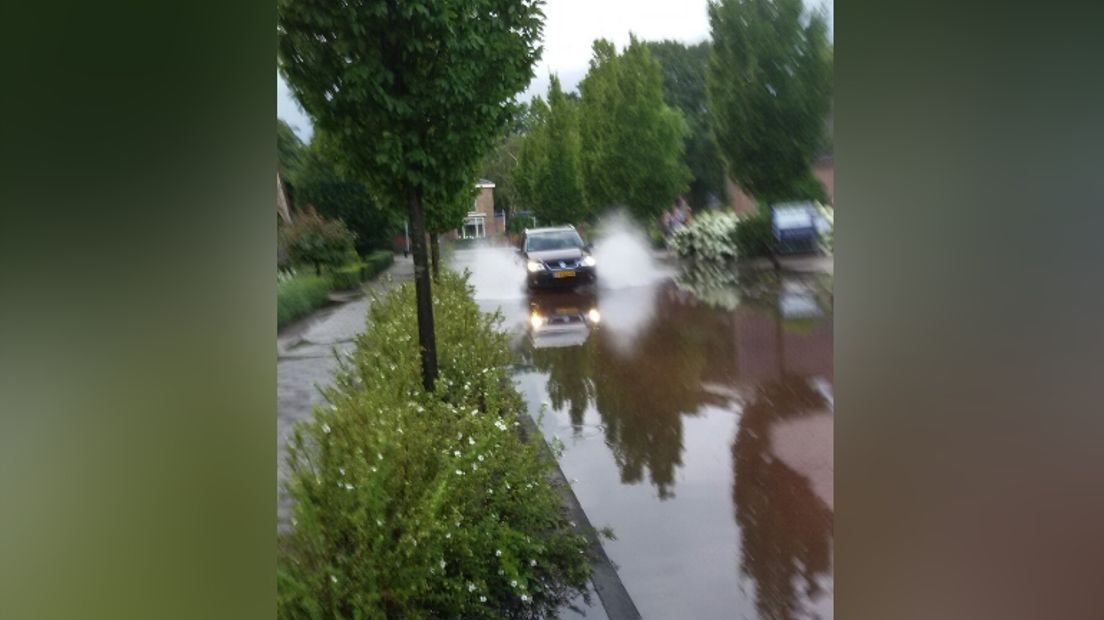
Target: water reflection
678,356
786,525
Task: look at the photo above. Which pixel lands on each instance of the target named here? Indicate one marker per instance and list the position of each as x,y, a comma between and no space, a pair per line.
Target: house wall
484,203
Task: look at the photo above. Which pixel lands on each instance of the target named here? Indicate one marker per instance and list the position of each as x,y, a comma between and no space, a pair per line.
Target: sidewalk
305,359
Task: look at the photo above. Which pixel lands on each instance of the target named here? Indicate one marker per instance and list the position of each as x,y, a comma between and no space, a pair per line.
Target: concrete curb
611,591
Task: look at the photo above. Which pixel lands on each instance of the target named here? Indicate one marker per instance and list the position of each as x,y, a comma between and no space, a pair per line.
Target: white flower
513,583
448,535
471,441
524,598
342,470
348,487
333,578
325,428
498,553
456,453
379,522
443,564
480,457
532,562
459,473
482,599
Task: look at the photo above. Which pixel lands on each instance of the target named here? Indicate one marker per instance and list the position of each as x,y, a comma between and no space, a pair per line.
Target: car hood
548,255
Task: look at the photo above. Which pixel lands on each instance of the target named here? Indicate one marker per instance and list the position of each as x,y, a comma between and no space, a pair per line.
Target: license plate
567,311
564,274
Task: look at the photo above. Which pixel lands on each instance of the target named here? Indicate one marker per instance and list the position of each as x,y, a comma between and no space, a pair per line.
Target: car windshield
560,240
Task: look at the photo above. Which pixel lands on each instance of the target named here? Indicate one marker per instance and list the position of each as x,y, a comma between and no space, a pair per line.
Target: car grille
567,263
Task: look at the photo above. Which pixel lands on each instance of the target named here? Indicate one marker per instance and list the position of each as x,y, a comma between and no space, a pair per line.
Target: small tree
314,240
414,93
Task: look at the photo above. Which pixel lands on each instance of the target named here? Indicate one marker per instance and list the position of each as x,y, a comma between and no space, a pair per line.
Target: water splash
624,254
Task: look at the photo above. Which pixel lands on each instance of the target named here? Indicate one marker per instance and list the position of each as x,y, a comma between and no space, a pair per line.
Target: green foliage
314,240
413,93
500,165
335,194
289,149
351,275
424,505
298,294
375,263
632,142
769,84
549,175
519,222
346,277
754,236
447,212
684,88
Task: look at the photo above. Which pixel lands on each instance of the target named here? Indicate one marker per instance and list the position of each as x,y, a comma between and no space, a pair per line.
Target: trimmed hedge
350,276
424,505
298,294
375,263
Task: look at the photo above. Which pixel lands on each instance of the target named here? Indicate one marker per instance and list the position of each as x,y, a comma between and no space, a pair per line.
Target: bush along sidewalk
424,505
351,275
297,294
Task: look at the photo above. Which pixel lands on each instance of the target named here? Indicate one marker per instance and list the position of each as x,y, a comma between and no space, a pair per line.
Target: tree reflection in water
786,529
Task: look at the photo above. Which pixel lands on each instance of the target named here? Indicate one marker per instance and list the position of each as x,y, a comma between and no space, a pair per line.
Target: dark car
556,257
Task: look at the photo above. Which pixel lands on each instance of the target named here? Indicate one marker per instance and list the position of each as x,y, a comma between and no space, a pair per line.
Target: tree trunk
435,253
426,336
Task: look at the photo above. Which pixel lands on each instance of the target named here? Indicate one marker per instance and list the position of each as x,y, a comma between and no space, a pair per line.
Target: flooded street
695,411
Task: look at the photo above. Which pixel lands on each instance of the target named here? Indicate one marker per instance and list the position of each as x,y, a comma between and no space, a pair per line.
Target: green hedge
754,236
350,276
375,263
417,505
299,294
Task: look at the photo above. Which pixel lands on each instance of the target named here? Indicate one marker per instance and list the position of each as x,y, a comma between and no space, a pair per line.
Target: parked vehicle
797,227
556,257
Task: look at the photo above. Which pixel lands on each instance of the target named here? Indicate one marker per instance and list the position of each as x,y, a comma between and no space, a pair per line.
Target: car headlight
534,266
588,261
594,315
536,320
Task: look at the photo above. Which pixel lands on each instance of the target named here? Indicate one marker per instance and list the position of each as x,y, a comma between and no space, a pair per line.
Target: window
475,226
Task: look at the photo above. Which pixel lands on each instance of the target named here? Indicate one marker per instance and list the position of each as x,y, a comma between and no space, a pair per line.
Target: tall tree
631,140
684,89
769,84
414,93
337,194
549,168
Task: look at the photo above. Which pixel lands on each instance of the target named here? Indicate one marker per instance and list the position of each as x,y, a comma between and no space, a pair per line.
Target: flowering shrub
711,235
418,505
722,235
314,240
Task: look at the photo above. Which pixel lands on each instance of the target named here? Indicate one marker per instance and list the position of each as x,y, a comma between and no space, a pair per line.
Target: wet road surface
695,409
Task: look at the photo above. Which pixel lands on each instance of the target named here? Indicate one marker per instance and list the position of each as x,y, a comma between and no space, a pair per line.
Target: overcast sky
570,27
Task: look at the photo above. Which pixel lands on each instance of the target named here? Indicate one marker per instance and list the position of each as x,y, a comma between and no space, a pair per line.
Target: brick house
482,221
